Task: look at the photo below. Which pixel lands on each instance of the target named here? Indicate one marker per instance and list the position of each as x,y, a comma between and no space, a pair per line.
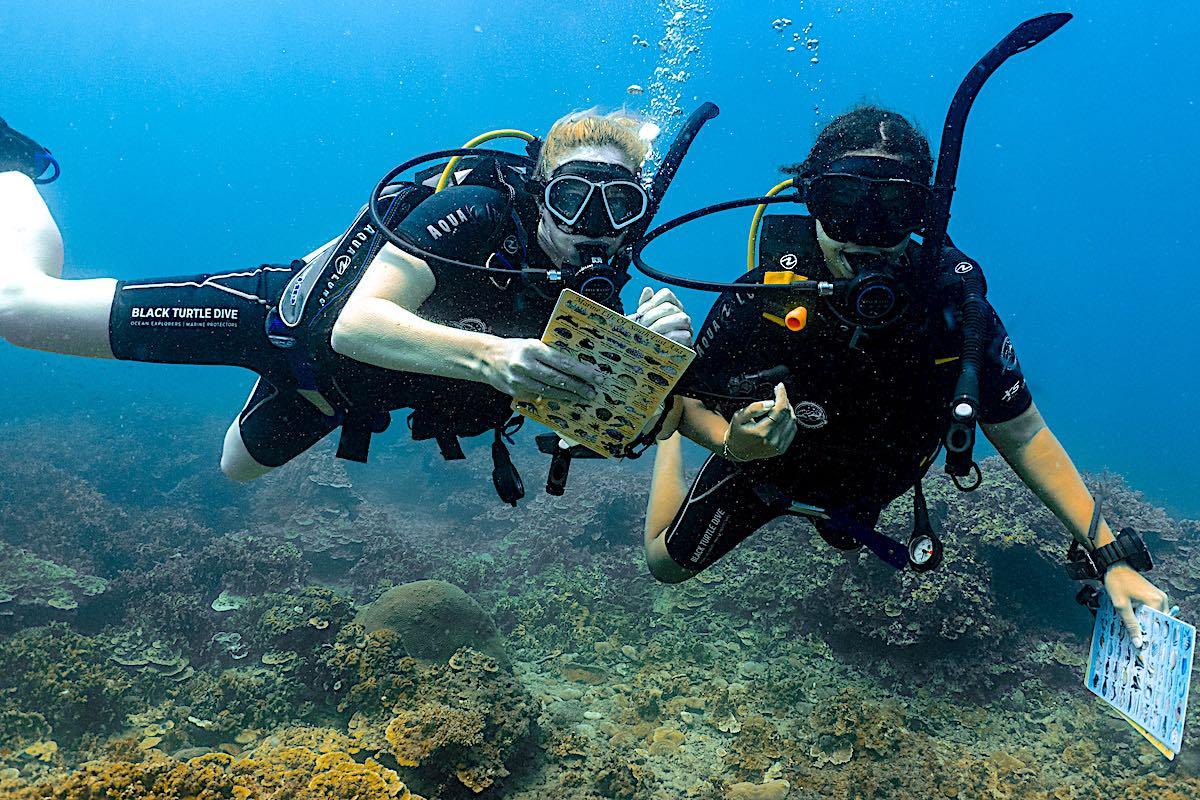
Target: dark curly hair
867,128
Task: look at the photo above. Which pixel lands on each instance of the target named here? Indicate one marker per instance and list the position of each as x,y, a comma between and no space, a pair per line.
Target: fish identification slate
1151,692
638,367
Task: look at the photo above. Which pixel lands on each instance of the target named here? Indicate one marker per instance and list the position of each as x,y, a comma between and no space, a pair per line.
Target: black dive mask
868,200
594,199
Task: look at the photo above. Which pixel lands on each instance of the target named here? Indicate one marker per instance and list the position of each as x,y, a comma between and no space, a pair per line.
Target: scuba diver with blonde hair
432,299
833,372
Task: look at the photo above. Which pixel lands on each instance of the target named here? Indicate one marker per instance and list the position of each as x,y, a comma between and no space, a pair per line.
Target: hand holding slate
1128,589
529,368
1147,685
662,313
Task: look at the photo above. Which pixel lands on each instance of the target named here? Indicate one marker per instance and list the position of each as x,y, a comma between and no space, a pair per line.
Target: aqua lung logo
447,223
510,245
963,267
341,262
810,415
788,261
717,319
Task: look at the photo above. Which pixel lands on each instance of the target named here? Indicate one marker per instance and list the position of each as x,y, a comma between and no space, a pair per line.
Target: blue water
199,135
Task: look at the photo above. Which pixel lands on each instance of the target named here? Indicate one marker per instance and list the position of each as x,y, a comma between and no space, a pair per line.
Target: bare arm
379,326
704,427
1035,454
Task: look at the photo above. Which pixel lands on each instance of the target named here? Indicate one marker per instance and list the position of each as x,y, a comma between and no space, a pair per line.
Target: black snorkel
964,410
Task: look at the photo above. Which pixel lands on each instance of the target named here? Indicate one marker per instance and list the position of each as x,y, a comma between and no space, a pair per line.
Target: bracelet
726,453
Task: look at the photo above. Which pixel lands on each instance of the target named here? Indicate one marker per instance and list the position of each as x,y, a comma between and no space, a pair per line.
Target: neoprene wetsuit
276,320
870,418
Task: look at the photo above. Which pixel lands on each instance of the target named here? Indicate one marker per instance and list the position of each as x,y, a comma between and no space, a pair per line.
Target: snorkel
964,409
868,299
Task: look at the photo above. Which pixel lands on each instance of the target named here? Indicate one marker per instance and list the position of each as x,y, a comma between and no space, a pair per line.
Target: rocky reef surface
395,632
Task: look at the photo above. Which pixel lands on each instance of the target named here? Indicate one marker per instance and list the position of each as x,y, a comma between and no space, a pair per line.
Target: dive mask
868,200
594,199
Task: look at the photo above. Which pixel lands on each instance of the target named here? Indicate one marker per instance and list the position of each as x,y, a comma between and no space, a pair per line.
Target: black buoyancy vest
360,395
890,396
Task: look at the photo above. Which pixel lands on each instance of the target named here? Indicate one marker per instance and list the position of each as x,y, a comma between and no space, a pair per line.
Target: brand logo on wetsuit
963,267
788,261
447,223
1011,391
810,415
716,320
175,316
341,263
510,245
1008,355
710,533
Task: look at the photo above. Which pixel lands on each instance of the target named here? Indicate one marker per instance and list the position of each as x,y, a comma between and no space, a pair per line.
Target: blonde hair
619,129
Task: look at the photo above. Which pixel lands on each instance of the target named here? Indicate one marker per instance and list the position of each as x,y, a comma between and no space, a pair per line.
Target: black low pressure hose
964,410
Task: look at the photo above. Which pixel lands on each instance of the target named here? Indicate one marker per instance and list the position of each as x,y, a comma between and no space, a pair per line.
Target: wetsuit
870,417
277,320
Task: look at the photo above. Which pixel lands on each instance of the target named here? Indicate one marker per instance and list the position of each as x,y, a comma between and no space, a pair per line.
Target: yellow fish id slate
638,367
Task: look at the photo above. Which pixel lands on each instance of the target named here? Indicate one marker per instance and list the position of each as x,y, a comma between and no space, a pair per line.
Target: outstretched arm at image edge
1035,454
1040,461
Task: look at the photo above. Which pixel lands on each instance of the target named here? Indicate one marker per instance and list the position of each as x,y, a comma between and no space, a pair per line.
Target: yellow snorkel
500,133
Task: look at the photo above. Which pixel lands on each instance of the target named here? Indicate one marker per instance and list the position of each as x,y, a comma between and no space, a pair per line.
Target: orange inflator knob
796,319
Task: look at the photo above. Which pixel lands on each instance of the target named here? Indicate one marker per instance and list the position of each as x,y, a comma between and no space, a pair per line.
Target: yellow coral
771,790
299,773
42,751
414,736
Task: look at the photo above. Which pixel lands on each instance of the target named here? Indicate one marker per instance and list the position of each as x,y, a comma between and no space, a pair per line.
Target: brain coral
434,619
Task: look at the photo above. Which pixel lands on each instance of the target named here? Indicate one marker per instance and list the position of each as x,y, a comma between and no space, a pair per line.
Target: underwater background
166,633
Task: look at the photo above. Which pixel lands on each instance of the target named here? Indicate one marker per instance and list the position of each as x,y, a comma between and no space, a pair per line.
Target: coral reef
274,772
457,723
27,581
434,619
61,684
221,659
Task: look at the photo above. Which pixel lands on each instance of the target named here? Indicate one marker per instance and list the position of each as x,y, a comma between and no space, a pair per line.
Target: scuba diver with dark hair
833,372
361,326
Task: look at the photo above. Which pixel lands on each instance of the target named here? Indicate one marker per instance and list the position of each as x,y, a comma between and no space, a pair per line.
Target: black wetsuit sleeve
464,223
1003,392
